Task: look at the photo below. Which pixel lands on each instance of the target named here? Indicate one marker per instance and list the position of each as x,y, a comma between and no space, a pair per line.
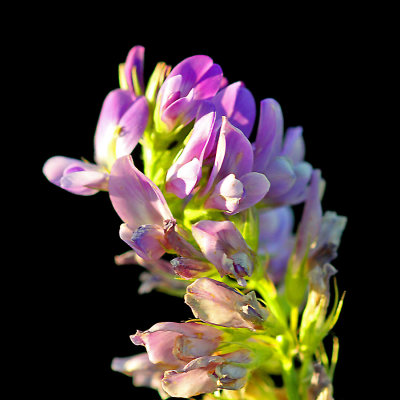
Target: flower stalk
210,219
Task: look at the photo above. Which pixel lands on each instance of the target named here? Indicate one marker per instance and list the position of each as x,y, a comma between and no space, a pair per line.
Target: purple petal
188,268
226,195
269,134
256,186
310,222
293,145
234,155
75,176
133,123
185,173
209,83
148,242
281,175
114,107
135,60
136,199
238,105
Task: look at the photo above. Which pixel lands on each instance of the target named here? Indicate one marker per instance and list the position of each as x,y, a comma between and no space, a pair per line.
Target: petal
238,105
148,242
209,83
188,268
255,186
269,134
224,246
281,174
188,384
135,198
133,123
226,195
57,168
293,145
310,222
114,107
234,155
217,303
134,61
185,173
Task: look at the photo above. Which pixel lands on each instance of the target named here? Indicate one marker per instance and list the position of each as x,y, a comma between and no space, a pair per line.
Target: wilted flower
224,246
217,303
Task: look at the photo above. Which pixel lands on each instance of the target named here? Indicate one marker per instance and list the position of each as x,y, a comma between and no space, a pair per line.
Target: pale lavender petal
310,222
57,168
114,107
185,173
136,199
190,383
276,226
133,123
255,186
293,144
135,59
84,182
188,268
148,242
281,175
238,105
269,134
226,195
238,157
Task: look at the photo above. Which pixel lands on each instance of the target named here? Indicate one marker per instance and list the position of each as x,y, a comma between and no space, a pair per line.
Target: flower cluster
209,214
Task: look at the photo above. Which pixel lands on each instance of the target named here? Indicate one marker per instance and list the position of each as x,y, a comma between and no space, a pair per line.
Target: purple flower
232,184
208,374
192,81
122,122
217,303
183,176
224,246
280,159
276,239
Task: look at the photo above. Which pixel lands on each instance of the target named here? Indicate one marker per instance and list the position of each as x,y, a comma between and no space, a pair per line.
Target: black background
79,308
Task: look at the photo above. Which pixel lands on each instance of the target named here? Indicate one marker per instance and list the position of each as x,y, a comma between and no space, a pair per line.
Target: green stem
290,380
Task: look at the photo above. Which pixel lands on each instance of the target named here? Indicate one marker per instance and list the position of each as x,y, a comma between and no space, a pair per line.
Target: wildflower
122,122
232,184
189,83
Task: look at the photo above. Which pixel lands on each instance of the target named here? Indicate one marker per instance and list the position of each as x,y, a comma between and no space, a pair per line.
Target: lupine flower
208,374
122,122
281,160
217,303
232,184
143,372
276,239
189,83
173,344
224,246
